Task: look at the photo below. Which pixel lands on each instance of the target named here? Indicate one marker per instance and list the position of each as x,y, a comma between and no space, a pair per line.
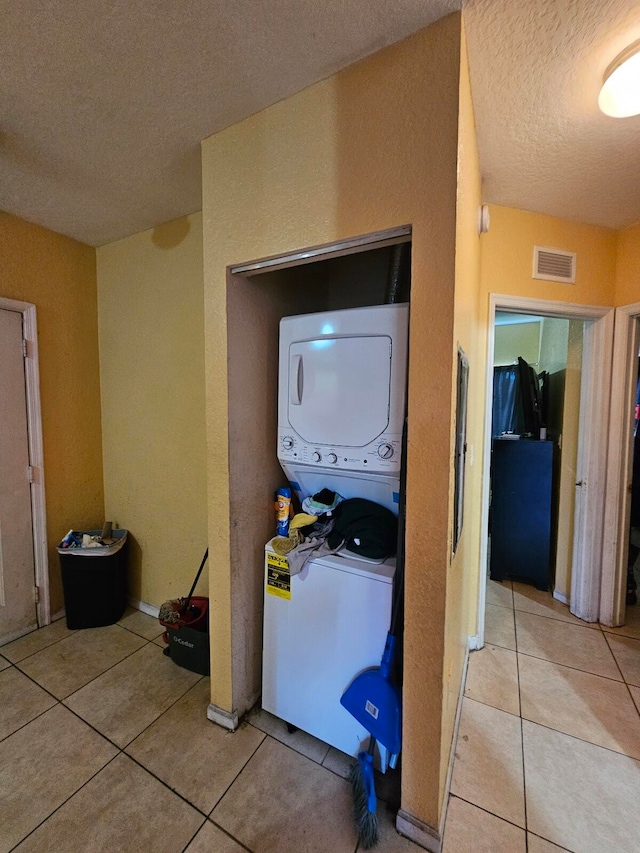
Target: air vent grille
554,265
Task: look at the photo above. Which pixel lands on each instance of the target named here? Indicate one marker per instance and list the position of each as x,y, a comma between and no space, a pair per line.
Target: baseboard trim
60,614
474,642
149,609
416,830
561,597
226,719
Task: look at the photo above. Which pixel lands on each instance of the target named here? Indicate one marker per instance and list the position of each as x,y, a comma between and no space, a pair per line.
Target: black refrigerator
521,511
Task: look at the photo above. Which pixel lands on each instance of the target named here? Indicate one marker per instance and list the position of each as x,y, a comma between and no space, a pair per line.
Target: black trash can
94,581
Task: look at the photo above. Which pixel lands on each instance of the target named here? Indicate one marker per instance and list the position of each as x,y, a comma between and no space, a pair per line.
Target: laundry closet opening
368,271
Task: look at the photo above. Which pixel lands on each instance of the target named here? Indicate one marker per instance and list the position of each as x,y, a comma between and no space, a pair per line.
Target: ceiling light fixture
620,93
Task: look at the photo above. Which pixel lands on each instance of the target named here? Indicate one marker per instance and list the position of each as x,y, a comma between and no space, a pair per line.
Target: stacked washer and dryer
341,404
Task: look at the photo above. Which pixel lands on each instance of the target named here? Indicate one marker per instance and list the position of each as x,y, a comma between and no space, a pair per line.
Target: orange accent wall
507,257
628,266
58,275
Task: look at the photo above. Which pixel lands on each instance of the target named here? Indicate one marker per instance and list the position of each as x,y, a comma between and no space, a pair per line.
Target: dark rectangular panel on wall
521,501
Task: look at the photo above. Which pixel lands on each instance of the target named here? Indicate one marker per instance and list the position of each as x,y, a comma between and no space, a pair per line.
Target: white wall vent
554,265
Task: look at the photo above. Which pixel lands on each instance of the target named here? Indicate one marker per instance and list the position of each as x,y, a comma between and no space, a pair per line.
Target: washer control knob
332,458
316,456
287,442
385,451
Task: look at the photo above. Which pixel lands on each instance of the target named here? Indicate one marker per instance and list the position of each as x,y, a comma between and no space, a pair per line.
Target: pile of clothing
329,524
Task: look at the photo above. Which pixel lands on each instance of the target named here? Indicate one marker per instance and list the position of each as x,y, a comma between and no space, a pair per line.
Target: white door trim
617,499
596,355
588,566
36,454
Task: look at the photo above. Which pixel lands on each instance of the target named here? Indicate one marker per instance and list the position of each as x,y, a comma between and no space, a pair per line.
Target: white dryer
341,400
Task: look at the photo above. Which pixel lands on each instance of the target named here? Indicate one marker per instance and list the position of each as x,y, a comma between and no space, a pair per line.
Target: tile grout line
625,682
573,668
619,631
582,740
595,675
49,646
524,771
581,623
228,834
304,755
548,727
267,737
120,750
160,715
72,631
37,717
57,809
504,820
488,811
146,643
62,701
226,790
162,782
194,834
557,731
113,666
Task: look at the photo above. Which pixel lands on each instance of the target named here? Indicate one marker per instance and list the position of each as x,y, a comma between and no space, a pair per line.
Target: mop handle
191,591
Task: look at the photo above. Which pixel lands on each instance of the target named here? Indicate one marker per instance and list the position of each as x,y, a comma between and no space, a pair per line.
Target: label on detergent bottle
278,576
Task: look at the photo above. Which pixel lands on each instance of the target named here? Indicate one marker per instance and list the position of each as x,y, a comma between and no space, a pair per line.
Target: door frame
619,469
36,454
592,442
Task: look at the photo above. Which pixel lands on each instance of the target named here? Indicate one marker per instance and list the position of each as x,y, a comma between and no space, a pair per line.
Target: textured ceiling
536,70
104,102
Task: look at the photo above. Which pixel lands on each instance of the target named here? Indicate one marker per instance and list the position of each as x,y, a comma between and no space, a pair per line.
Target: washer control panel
383,454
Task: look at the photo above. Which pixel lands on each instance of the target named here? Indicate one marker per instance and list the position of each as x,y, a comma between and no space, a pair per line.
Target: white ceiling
536,70
104,102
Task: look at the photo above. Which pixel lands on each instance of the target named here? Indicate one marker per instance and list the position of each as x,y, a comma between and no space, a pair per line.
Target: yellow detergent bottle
283,509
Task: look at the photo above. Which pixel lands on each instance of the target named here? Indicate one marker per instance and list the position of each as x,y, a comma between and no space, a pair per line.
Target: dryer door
339,389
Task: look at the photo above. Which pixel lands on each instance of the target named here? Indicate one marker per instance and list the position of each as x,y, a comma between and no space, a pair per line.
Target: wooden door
17,581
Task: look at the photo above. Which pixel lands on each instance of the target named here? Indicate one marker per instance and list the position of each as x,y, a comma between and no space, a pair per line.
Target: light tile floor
548,750
105,746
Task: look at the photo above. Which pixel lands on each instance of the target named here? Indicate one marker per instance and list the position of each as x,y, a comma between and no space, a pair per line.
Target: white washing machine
321,628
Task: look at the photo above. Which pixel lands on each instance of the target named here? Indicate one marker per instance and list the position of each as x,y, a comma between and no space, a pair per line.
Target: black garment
632,597
366,528
326,497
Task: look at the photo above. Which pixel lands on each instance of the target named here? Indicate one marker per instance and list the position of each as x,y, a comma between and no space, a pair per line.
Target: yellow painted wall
152,370
516,339
58,275
628,266
372,147
506,268
507,257
463,574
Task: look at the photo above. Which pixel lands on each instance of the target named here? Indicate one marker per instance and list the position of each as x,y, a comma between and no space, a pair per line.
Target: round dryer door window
339,389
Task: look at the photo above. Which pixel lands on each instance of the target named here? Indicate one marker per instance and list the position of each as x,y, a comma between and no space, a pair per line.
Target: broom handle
191,591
